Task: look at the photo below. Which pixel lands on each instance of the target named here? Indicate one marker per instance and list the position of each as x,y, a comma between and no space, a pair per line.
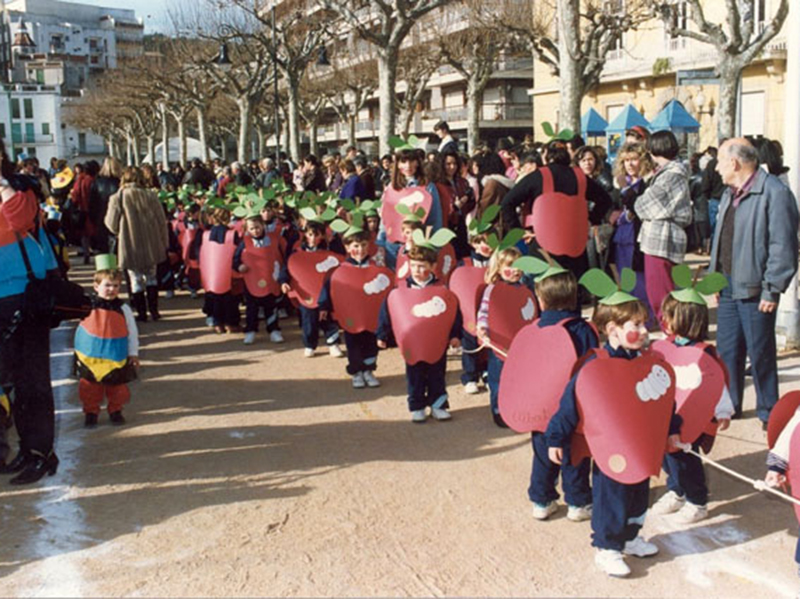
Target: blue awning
674,117
592,124
629,117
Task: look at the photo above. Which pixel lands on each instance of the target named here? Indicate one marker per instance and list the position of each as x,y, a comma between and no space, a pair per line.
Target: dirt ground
255,471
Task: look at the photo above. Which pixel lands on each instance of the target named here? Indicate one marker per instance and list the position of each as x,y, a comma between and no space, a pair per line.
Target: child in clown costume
106,347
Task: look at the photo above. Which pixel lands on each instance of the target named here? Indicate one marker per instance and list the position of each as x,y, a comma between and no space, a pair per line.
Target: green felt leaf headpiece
511,239
600,284
691,290
214,202
433,242
541,269
485,222
348,229
411,214
250,206
323,218
397,143
563,135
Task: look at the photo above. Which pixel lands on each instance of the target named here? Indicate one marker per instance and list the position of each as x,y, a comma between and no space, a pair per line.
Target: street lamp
222,60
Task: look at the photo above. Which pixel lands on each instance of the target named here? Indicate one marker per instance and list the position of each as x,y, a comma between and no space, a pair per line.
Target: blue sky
153,12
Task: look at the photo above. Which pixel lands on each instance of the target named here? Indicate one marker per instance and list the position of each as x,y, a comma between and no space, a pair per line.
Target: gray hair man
755,246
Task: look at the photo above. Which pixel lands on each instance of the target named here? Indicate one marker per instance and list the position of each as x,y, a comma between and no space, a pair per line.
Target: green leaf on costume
339,226
442,237
530,265
548,129
712,283
511,238
682,275
490,214
598,283
627,280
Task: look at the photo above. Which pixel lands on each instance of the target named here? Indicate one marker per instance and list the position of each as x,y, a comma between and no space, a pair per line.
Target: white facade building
55,48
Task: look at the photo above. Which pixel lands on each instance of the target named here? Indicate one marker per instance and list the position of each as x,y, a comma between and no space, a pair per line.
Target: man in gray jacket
755,246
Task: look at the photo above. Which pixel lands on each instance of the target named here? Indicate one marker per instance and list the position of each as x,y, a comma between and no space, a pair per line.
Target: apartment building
54,49
649,67
506,108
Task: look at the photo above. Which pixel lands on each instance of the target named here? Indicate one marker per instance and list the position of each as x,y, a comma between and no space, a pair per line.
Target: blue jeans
742,330
713,210
427,385
685,476
495,369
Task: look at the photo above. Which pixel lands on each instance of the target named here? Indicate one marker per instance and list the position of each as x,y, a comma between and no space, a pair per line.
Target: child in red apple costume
702,392
423,316
216,247
355,293
559,335
507,304
623,402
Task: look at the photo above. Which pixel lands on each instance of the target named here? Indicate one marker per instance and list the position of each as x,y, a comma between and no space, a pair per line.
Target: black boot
17,464
139,304
152,301
37,467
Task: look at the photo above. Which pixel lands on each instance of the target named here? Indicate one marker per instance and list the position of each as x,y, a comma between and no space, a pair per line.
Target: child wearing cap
106,347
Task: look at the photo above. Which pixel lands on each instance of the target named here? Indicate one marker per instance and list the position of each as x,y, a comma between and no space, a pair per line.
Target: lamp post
275,95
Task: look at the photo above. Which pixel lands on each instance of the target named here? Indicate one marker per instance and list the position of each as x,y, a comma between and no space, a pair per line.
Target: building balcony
34,140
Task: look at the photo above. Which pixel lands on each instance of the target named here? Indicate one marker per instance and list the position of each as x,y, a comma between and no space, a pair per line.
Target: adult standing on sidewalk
24,334
755,246
665,208
136,217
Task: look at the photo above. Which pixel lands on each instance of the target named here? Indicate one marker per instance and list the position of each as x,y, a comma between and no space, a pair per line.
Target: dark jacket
764,239
102,189
199,176
314,180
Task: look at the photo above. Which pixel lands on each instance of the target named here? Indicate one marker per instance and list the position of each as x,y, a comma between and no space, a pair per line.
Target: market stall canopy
193,150
674,117
592,124
626,119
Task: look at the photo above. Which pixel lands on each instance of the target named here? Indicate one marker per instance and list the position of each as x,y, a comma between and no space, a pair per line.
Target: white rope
485,345
758,485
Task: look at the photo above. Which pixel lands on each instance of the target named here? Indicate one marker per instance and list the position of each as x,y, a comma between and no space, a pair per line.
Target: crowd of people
432,251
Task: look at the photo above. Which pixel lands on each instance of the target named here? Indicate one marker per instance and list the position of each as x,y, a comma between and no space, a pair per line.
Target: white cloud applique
433,307
377,284
654,386
528,310
413,198
447,264
327,264
403,272
688,378
276,271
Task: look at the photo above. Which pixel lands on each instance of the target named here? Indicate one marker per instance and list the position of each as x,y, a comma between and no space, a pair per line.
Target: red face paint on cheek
632,337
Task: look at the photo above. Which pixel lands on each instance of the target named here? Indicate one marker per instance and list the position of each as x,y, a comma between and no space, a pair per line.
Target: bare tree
737,40
384,24
312,105
415,67
348,90
474,52
574,38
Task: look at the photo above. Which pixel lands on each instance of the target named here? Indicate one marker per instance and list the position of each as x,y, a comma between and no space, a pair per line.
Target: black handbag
52,298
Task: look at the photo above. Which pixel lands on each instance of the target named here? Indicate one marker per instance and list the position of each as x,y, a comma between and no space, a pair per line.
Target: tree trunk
202,133
312,136
408,116
474,93
294,120
164,138
151,148
728,95
351,129
111,150
128,149
224,149
570,77
181,120
387,77
262,142
245,117
135,148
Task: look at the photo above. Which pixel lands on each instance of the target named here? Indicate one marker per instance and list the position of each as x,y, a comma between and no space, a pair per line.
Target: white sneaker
370,379
440,414
358,381
691,513
209,321
276,337
640,548
308,352
335,351
471,388
249,338
611,562
418,416
544,511
669,503
580,513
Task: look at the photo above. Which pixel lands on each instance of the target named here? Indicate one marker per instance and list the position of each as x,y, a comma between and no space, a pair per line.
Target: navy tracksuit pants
470,363
311,325
544,476
252,305
362,351
618,510
685,476
426,385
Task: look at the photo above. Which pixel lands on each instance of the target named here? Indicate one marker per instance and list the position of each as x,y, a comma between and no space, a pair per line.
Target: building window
82,143
3,130
30,133
15,108
16,133
39,75
679,19
28,102
45,128
31,152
